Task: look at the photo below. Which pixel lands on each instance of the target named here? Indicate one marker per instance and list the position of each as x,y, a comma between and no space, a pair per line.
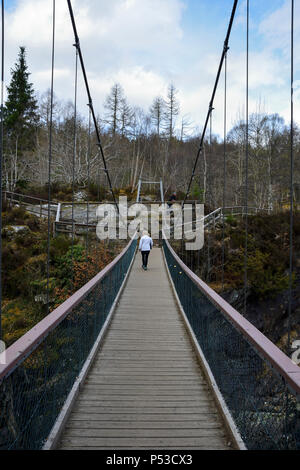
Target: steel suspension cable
88,185
246,165
77,45
208,232
1,157
50,156
74,154
291,182
288,344
225,49
210,153
45,346
224,172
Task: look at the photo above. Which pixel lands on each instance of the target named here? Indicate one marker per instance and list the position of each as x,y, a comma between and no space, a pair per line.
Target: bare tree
113,104
157,111
273,131
45,108
172,110
186,126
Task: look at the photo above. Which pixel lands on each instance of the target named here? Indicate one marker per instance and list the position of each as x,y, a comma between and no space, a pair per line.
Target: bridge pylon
141,181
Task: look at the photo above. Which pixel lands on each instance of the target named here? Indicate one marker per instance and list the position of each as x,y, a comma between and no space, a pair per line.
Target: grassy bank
24,238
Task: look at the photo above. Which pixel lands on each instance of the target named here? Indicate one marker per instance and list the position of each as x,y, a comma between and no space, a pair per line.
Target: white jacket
146,243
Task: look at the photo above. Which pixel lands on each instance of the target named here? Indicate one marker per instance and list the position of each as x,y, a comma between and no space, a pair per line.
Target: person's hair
145,233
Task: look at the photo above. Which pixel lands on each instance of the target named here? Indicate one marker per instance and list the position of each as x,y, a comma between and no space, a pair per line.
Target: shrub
25,238
21,185
96,192
14,216
16,321
231,220
59,246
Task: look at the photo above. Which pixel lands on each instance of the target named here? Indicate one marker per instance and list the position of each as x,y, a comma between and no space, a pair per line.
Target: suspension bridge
147,360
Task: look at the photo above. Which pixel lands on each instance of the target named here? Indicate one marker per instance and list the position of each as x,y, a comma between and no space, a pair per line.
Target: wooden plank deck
145,389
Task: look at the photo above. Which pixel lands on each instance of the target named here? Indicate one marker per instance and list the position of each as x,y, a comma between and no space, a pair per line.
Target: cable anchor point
77,44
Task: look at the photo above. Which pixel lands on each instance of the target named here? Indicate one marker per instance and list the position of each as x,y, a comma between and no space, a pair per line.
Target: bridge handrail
259,384
20,350
204,219
12,193
271,353
212,216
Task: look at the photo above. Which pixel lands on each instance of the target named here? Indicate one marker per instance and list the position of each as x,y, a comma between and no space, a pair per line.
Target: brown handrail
76,224
18,351
130,202
279,361
29,197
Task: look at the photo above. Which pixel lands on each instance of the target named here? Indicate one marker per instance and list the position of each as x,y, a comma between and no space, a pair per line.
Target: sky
147,44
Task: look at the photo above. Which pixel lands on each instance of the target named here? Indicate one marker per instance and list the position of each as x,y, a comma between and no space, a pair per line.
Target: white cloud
142,45
44,75
276,28
140,85
121,40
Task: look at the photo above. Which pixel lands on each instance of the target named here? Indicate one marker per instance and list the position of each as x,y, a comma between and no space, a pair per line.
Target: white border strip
220,402
62,418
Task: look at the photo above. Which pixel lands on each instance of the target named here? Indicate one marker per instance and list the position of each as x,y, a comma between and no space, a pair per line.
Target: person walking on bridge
171,200
145,246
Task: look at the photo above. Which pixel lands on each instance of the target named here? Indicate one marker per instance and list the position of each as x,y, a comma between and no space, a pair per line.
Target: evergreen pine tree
20,113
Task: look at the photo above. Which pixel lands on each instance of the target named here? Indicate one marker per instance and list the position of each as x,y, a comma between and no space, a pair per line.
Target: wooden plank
99,379
143,433
144,363
142,403
150,372
145,399
138,377
115,340
144,369
135,356
157,425
147,389
162,448
200,416
149,346
138,410
150,443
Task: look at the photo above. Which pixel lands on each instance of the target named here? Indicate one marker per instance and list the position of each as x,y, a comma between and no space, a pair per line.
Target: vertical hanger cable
246,166
1,158
50,157
291,181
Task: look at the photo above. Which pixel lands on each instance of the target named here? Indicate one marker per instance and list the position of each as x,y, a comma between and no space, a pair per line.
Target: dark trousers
145,255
